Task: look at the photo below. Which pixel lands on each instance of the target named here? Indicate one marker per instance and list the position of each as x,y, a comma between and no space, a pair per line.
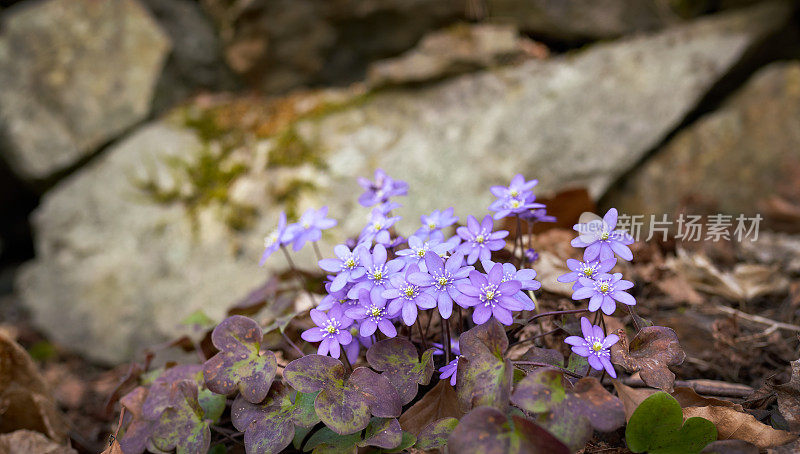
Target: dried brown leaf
631,397
440,402
25,401
651,352
732,424
789,398
30,442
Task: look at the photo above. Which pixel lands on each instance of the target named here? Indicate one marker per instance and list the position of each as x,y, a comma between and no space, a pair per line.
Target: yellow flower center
515,204
588,272
431,225
271,239
421,253
331,329
350,263
376,311
480,239
604,236
377,226
409,291
378,275
490,295
604,287
514,193
597,346
442,281
306,225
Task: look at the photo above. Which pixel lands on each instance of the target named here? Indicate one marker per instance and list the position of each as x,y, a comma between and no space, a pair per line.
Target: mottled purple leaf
181,425
570,413
434,435
138,432
486,430
541,355
268,426
158,395
398,360
240,364
382,433
651,352
377,392
313,372
484,374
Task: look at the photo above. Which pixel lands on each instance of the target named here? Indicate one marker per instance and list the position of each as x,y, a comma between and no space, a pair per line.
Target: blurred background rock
146,146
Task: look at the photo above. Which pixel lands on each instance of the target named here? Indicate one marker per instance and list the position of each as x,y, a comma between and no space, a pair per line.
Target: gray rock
73,75
578,20
196,62
457,49
740,159
172,220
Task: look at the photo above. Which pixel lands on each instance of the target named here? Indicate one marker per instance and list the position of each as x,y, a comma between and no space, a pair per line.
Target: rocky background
146,146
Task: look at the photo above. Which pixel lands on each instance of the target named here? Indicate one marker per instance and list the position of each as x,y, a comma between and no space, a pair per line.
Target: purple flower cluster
594,346
517,198
379,191
308,228
375,283
591,277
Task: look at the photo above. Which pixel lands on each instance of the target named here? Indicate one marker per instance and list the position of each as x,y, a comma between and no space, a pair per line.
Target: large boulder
73,75
171,220
580,20
277,45
740,159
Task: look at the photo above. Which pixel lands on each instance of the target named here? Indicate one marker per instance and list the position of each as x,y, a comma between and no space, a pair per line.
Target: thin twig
424,341
293,345
707,387
757,318
534,363
446,325
346,361
537,336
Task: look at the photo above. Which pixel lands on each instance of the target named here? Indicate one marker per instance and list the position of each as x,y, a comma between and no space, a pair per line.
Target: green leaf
181,426
199,320
435,434
213,404
408,441
657,427
326,441
382,433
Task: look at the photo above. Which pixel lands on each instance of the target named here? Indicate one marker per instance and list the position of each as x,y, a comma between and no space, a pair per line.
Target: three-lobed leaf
435,434
181,426
484,374
651,352
240,364
487,430
344,405
269,426
571,413
398,360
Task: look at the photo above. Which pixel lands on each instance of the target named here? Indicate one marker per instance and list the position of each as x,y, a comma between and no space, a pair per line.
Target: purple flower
406,297
441,280
309,227
381,189
538,215
347,265
437,220
594,346
589,269
490,296
531,255
519,188
454,347
387,207
513,205
479,240
377,228
419,249
601,240
276,239
332,330
526,277
449,370
372,313
377,270
603,291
